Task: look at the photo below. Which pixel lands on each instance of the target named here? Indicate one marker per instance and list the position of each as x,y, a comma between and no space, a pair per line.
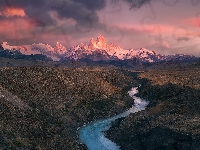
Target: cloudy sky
166,26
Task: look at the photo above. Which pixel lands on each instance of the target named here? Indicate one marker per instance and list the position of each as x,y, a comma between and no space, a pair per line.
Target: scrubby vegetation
42,107
171,120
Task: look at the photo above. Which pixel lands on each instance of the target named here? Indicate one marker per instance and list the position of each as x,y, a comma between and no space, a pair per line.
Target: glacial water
92,134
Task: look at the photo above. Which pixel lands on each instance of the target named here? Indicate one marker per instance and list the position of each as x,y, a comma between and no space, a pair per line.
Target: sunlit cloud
194,22
10,12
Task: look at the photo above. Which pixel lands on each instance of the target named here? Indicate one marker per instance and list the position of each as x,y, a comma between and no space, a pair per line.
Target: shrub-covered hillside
42,107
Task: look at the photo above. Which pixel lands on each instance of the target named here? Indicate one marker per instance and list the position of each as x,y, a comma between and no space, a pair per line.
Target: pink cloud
194,22
10,12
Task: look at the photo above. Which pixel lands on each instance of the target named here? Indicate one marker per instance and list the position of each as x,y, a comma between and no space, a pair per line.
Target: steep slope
172,119
58,101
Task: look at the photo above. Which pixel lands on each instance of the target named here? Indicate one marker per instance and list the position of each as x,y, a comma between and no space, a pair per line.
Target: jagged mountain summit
99,50
115,52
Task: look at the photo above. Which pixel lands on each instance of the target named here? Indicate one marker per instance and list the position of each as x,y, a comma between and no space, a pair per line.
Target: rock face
172,119
59,49
100,43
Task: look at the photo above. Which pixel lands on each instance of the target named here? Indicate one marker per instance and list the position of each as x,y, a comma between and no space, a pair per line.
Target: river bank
172,119
92,133
60,101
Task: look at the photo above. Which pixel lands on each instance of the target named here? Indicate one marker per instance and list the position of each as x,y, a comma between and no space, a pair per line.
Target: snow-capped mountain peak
97,50
59,49
95,46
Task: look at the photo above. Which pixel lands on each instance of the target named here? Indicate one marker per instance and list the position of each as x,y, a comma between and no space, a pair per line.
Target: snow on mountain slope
112,50
97,50
99,45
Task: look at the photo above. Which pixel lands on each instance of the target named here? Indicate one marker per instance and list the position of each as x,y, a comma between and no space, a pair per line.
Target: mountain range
7,51
98,50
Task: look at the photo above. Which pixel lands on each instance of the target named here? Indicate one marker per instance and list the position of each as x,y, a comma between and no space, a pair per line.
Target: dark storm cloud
22,3
79,12
39,22
136,3
36,10
93,4
39,14
82,11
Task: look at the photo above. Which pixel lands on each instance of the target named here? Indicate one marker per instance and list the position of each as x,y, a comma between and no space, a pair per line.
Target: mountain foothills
42,107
